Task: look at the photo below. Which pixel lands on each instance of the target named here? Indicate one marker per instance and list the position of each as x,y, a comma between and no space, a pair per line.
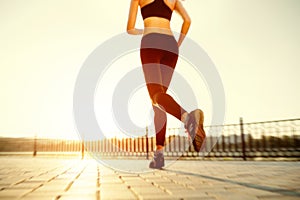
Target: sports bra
157,8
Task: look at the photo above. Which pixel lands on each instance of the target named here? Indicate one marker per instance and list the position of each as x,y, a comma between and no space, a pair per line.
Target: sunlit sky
253,43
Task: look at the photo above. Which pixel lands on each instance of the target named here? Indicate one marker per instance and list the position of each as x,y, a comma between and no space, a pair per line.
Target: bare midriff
157,25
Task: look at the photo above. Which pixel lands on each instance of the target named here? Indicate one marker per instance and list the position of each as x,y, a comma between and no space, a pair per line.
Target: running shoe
158,160
194,127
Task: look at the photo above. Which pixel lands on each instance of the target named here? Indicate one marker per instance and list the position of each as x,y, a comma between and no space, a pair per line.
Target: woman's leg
151,68
160,122
158,70
160,115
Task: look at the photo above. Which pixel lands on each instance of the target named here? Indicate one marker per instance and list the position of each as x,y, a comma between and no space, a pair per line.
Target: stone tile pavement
57,178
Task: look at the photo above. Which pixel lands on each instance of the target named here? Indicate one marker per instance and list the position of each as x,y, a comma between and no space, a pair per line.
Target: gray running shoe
158,161
194,126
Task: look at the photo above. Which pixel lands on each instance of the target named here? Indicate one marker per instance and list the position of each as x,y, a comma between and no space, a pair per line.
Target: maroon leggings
159,55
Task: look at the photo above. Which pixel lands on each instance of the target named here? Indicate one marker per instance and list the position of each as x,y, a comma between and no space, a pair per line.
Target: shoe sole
156,167
200,133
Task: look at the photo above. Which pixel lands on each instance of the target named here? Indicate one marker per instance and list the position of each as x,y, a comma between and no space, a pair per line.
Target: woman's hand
135,31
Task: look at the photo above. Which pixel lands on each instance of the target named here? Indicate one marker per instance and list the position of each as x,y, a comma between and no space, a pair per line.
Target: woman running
159,55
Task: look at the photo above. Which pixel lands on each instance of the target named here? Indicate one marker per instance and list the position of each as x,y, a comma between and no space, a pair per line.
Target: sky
254,45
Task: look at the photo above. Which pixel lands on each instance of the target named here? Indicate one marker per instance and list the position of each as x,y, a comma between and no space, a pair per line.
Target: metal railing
244,140
260,139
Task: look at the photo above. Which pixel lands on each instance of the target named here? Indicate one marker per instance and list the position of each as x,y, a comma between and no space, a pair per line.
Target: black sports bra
157,8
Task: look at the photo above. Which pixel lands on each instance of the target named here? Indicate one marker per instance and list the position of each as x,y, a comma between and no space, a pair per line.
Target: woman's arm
186,21
132,19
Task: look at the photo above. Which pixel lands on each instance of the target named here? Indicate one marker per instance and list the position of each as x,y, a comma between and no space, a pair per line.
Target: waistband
160,41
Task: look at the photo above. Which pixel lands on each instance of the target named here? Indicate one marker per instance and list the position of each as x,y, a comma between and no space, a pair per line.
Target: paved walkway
50,178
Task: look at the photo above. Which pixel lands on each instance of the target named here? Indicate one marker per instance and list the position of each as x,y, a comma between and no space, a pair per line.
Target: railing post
243,138
147,145
34,146
82,149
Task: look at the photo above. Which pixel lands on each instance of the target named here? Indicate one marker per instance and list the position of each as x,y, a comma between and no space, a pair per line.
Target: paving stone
38,197
10,193
124,193
77,197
